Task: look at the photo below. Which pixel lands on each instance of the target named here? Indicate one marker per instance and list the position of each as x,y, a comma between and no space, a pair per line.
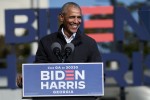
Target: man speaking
68,44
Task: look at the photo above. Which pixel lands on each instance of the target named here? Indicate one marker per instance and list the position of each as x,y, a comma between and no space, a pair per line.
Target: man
85,48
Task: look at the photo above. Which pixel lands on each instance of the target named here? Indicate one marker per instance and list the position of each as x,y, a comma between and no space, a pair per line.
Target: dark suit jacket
85,51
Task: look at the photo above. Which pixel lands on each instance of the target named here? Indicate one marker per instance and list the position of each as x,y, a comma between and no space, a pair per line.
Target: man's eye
71,17
79,17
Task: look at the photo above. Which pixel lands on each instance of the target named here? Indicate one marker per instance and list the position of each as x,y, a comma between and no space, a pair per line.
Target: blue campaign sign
63,79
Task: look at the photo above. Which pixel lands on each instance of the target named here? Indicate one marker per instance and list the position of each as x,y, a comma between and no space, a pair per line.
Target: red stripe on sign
107,23
98,10
102,37
69,74
69,71
69,78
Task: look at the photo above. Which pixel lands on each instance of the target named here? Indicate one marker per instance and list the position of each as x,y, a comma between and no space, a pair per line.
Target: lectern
63,79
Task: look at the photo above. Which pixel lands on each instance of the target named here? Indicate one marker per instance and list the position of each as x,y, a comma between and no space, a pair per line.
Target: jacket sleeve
95,55
41,56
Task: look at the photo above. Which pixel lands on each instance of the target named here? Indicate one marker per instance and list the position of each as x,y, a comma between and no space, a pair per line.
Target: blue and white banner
63,79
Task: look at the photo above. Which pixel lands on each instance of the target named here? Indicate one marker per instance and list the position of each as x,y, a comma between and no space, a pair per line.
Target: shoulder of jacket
49,36
88,38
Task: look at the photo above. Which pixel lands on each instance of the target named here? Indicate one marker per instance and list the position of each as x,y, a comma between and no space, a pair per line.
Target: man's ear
61,18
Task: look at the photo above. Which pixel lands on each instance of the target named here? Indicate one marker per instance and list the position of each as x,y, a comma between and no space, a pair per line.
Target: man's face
71,20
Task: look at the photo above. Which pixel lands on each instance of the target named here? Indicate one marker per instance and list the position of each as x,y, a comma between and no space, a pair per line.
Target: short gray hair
68,4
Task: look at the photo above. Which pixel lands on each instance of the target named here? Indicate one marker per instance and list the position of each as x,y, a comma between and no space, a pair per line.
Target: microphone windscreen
55,45
70,45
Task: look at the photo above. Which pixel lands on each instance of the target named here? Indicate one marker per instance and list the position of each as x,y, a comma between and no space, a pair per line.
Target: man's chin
74,31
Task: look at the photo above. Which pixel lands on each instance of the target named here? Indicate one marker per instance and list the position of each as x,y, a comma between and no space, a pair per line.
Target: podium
63,79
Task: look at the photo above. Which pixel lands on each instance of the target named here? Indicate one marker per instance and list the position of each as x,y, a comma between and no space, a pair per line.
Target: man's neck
68,38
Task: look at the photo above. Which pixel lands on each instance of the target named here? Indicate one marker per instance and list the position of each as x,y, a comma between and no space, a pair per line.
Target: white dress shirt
68,40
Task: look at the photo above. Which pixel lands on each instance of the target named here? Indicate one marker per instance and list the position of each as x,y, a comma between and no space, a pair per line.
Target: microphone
56,48
69,48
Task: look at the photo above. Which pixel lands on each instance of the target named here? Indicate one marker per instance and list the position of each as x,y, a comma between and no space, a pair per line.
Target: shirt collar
68,40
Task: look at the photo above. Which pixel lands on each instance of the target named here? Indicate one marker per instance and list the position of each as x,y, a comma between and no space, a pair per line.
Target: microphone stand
64,58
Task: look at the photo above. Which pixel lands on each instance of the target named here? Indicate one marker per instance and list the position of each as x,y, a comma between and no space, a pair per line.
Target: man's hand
19,80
